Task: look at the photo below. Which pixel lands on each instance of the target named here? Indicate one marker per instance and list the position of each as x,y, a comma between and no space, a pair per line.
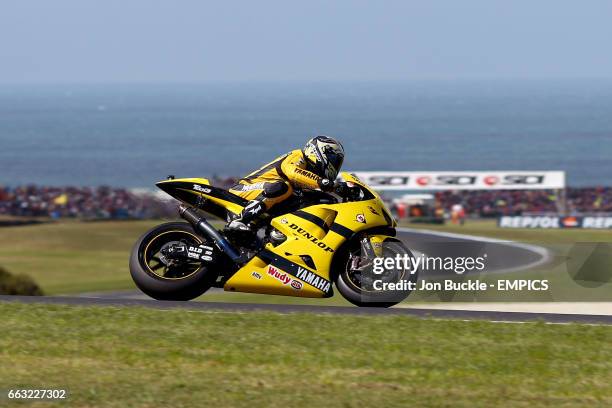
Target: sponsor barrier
464,180
549,221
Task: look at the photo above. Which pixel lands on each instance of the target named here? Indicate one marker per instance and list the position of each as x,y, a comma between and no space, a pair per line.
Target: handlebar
348,191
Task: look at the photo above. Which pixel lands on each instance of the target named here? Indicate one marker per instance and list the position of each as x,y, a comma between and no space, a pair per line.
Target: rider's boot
253,209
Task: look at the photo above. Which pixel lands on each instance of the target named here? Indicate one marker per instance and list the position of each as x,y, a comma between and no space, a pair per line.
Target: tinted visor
334,161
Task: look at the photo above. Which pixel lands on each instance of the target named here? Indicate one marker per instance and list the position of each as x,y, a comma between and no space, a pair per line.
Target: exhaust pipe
200,224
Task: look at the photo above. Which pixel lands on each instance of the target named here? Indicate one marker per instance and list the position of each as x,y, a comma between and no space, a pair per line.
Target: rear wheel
358,284
164,278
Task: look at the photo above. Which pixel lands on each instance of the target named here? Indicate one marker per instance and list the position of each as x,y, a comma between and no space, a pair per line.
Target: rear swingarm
182,252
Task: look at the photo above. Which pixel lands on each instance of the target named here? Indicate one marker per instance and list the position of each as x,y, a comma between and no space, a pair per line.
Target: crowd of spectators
120,203
493,203
79,202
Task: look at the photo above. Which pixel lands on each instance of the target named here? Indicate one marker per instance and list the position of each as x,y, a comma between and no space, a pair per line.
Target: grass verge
67,257
133,357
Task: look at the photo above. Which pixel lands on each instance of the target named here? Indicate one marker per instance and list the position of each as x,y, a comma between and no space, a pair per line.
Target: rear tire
354,291
183,281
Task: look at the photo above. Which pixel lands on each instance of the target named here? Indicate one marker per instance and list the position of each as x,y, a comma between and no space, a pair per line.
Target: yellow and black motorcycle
303,247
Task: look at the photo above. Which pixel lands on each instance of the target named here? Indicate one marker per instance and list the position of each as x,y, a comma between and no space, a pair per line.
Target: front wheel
164,278
359,284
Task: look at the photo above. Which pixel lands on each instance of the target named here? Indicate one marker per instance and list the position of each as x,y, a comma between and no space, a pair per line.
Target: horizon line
285,80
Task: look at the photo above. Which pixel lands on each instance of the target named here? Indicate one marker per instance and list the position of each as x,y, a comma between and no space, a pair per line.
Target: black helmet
324,156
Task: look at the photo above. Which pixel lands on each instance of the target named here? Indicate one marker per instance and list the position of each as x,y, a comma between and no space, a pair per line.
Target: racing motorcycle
302,247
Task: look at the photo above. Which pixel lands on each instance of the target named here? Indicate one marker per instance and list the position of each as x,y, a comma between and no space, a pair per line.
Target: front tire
169,280
355,288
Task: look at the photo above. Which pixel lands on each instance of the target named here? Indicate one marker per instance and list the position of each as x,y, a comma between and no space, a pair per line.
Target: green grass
70,257
133,357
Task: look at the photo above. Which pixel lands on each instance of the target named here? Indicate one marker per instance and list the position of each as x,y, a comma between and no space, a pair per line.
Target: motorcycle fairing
193,190
314,235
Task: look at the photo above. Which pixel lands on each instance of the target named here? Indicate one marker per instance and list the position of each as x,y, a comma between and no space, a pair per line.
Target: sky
101,41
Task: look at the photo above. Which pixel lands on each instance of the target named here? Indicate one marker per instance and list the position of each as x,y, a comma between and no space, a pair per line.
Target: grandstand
481,194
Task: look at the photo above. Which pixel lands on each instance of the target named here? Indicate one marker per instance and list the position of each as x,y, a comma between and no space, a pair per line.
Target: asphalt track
503,256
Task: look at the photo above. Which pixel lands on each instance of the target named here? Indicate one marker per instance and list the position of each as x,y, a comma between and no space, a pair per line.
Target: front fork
372,245
371,248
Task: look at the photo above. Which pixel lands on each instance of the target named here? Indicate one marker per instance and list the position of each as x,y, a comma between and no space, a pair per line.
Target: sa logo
360,218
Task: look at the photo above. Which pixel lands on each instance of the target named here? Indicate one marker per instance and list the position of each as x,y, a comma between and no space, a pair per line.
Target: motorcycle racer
315,166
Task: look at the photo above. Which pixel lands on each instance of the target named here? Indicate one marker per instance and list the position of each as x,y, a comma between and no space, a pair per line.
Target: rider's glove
341,189
326,184
347,190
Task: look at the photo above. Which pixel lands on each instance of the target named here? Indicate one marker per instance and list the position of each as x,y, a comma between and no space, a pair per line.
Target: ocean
134,135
